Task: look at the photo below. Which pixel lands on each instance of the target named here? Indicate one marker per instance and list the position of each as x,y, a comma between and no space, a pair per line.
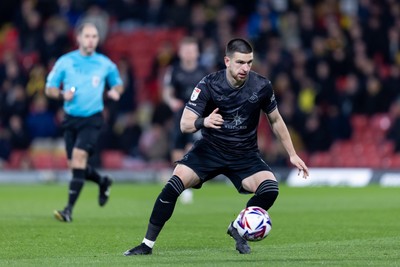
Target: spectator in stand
178,14
130,134
392,81
128,98
31,32
67,10
13,101
154,13
128,13
5,146
376,98
19,137
40,121
55,40
394,130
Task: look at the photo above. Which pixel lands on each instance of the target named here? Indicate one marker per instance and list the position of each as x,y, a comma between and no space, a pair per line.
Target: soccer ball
253,223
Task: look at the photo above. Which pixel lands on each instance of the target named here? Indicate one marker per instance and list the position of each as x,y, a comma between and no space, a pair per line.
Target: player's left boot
142,249
104,190
63,215
241,244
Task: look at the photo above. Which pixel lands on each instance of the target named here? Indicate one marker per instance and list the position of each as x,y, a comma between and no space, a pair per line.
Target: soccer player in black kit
226,106
179,81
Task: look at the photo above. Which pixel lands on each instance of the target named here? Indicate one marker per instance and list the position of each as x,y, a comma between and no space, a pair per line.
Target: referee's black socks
265,195
92,175
75,186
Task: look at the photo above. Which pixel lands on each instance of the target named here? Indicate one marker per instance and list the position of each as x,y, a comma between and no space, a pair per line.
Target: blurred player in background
179,82
82,75
226,106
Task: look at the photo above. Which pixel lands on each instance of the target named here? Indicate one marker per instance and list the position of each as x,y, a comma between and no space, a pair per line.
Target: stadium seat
359,122
371,161
112,159
380,122
392,162
386,148
320,159
342,147
19,159
41,160
60,161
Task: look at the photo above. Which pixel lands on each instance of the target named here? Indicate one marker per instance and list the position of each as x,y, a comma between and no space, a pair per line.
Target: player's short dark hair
80,26
238,45
188,40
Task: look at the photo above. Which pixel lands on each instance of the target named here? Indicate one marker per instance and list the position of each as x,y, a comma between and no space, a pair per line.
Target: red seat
392,162
41,160
17,158
386,148
320,159
359,122
380,122
60,161
112,159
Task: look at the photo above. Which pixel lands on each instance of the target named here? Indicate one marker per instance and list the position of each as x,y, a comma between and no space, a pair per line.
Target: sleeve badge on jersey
195,94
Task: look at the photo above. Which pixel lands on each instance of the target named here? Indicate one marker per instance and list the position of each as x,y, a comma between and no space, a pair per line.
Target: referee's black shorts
207,163
82,132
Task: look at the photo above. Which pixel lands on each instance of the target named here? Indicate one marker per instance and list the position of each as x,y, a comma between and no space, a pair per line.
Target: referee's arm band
199,123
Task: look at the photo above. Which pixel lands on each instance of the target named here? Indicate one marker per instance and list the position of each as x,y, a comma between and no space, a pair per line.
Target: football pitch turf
313,226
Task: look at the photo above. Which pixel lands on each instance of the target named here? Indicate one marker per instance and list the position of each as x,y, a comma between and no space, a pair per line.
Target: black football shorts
207,163
82,132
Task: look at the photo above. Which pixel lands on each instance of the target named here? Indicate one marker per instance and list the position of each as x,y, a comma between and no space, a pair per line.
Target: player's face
238,67
88,39
189,52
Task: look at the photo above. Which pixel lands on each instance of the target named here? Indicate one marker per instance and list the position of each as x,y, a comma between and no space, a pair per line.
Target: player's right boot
63,215
241,244
104,190
142,249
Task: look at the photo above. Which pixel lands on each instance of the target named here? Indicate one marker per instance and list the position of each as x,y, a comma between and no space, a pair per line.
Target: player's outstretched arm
281,132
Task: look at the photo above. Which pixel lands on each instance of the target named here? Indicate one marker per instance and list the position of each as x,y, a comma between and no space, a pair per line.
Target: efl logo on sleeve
195,94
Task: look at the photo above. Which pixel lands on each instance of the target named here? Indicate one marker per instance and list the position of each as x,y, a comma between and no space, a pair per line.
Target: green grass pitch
314,226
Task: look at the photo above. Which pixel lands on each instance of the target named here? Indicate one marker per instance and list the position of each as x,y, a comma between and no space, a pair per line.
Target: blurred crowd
328,60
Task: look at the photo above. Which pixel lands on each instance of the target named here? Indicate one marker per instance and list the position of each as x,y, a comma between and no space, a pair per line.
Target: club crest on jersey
195,94
95,81
253,98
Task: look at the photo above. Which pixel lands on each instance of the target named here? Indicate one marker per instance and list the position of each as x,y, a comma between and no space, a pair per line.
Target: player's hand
300,165
69,94
113,94
214,120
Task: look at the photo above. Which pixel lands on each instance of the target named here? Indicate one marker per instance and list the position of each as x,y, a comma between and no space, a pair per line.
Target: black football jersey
239,107
184,81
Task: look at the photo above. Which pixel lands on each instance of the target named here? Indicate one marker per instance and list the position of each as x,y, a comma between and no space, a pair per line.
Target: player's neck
189,65
234,83
85,53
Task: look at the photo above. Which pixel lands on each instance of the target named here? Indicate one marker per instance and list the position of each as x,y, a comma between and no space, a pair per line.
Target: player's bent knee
265,195
79,158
